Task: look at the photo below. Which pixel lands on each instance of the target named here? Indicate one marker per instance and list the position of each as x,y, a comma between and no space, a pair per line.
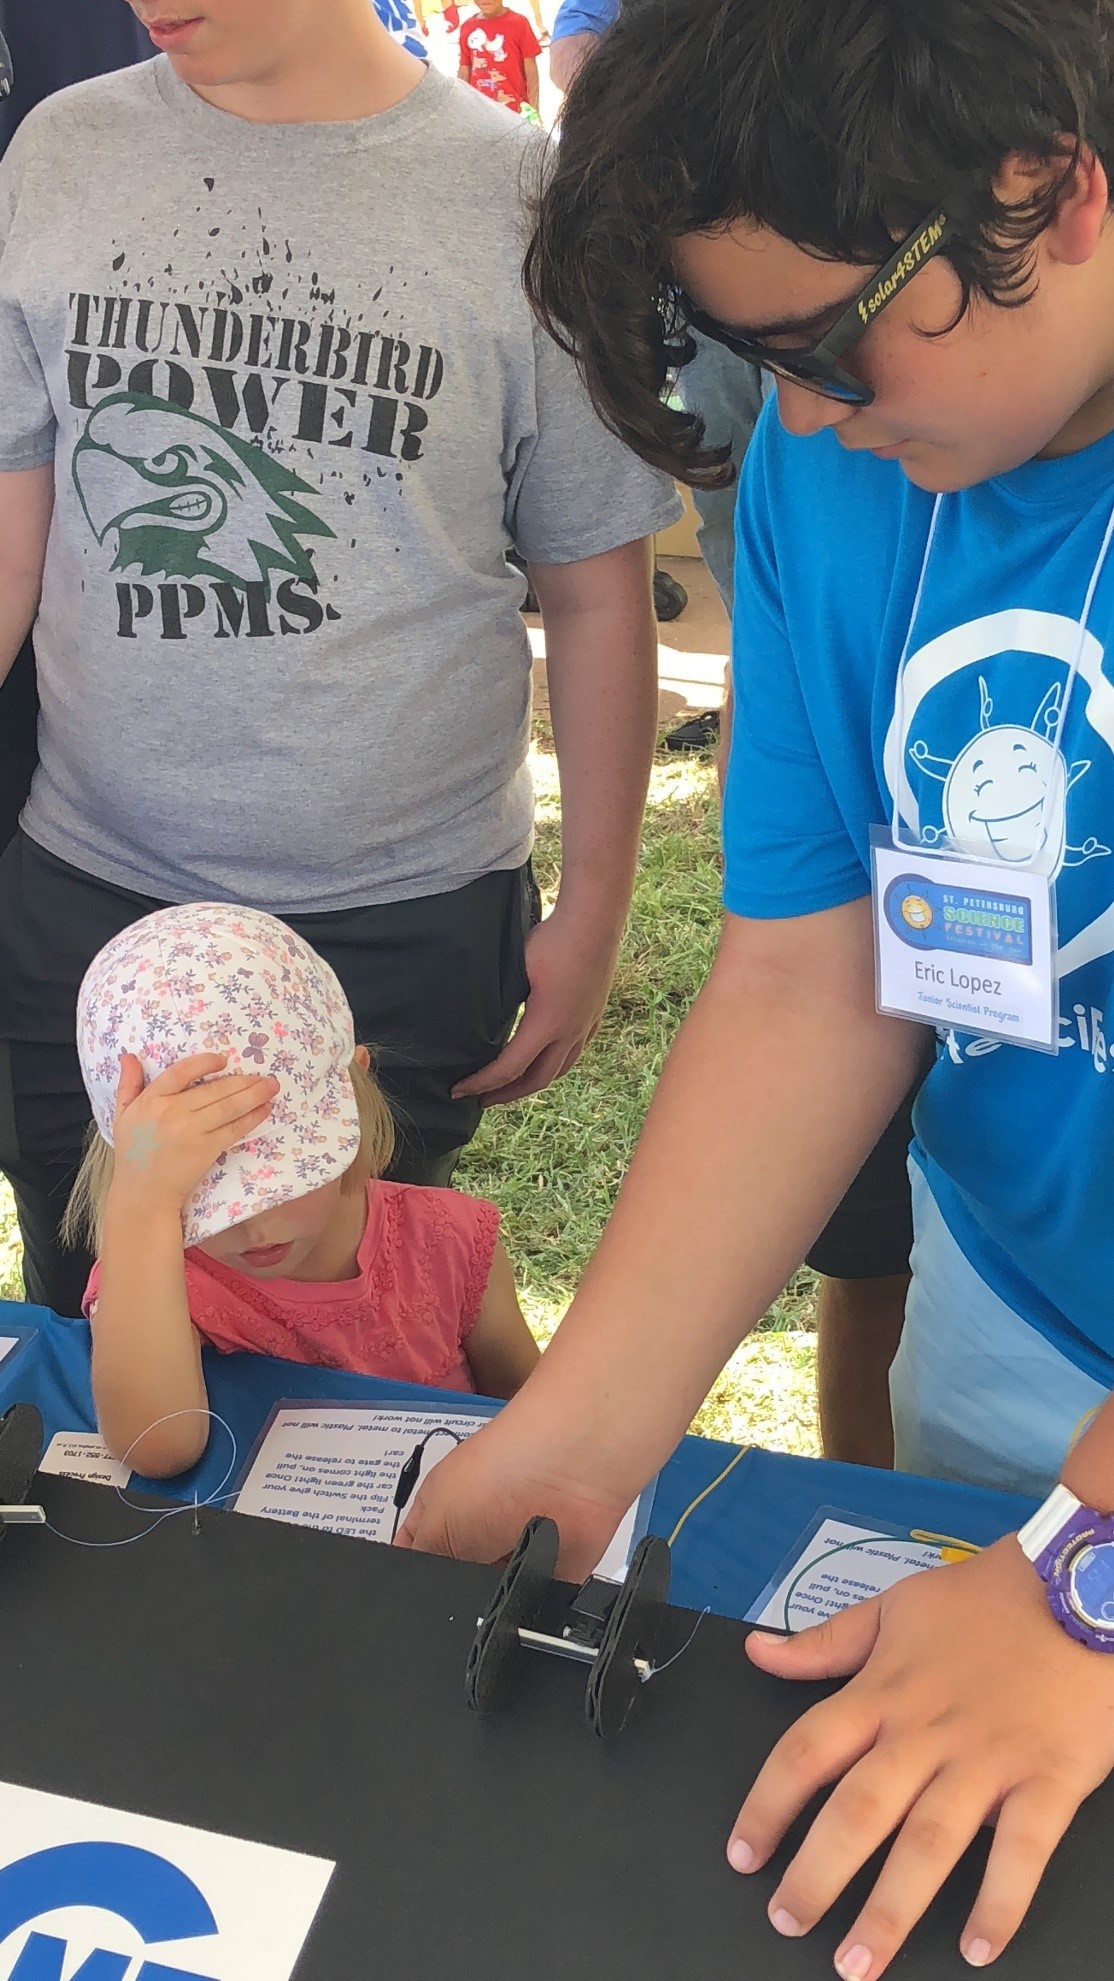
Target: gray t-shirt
298,407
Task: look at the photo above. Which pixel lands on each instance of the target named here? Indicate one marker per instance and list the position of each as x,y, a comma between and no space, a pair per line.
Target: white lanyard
1061,718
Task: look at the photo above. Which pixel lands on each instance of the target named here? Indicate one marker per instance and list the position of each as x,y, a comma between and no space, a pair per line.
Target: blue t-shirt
584,17
399,19
1017,1146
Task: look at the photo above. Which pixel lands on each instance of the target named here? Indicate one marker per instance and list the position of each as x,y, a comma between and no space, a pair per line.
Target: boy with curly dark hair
901,209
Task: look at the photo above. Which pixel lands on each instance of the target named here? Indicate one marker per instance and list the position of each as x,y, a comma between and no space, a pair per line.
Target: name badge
963,943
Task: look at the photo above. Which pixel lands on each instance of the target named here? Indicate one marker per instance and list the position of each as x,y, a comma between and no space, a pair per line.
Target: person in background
499,55
577,27
262,452
862,1255
450,14
50,48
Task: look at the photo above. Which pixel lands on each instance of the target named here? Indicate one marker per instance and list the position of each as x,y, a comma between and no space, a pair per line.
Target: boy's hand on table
969,1705
476,1502
570,961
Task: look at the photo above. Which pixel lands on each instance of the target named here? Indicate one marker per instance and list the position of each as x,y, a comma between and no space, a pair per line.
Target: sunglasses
818,369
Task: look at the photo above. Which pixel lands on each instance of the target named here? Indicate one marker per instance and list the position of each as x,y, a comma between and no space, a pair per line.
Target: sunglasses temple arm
856,318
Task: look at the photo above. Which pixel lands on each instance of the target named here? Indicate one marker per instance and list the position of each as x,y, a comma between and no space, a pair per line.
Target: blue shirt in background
400,21
583,17
1017,1146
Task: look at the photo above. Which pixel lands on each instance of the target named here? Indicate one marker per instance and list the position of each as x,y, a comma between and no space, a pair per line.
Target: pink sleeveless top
422,1271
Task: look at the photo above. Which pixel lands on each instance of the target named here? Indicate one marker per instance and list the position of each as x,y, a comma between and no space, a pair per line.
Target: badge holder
963,944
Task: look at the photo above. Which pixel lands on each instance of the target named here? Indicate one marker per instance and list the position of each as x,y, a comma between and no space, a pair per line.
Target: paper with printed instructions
83,1455
837,1563
337,1467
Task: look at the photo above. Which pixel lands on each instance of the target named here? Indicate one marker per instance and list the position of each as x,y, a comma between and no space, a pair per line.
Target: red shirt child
498,55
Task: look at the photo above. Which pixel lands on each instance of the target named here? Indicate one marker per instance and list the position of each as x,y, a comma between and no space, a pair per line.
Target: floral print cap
210,977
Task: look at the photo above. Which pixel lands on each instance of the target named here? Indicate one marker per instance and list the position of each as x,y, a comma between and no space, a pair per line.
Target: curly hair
835,123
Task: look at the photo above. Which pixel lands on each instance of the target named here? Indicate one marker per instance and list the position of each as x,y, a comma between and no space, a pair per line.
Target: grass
11,1278
554,1163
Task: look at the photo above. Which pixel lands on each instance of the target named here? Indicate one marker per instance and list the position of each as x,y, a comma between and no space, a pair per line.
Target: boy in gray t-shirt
261,319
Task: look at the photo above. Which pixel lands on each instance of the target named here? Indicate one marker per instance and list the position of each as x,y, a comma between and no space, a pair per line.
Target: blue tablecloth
727,1551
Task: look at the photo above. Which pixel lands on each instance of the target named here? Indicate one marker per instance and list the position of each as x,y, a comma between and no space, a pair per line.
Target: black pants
19,717
870,1236
434,987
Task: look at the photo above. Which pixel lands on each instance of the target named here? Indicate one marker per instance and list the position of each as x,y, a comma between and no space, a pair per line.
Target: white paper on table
839,1563
108,1883
615,1560
336,1468
83,1455
7,1343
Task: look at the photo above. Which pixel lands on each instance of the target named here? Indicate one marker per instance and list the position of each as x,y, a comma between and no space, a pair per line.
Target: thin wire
701,1497
653,1673
216,1498
419,1451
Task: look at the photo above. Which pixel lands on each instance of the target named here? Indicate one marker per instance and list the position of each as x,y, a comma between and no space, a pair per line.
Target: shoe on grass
700,732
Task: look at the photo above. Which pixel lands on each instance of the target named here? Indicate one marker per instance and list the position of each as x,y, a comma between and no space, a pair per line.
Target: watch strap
1049,1520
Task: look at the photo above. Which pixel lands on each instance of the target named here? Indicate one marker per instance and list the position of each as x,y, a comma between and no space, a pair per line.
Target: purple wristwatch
1072,1549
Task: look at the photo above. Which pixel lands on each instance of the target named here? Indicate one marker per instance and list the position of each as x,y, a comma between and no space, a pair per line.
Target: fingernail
978,1953
784,1922
740,1856
855,1964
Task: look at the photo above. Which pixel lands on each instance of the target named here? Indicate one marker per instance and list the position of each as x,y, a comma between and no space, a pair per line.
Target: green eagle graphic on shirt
185,499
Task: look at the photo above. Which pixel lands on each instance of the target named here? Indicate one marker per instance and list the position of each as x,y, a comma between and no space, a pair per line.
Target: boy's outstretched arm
777,1087
601,665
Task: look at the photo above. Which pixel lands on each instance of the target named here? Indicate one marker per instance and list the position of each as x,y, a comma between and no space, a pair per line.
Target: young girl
232,1189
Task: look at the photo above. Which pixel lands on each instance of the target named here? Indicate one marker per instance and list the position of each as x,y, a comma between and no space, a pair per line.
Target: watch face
1091,1585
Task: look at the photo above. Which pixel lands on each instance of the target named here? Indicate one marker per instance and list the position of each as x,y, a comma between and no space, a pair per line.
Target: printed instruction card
838,1562
83,1455
337,1467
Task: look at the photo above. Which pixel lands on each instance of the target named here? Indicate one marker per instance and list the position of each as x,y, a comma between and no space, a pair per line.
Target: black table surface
304,1690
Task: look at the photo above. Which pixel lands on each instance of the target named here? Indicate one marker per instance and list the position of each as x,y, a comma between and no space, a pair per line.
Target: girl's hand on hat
969,1706
170,1132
